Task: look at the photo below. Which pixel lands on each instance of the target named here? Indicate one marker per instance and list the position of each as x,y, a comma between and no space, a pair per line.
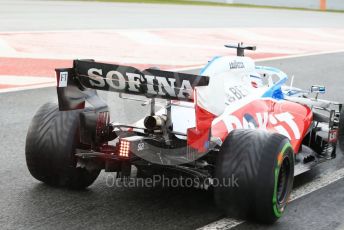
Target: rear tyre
341,131
260,167
50,146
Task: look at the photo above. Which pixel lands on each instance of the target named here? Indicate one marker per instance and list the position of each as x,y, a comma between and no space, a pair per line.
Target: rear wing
75,85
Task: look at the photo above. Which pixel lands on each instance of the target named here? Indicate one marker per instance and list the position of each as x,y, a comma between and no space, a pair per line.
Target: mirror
318,89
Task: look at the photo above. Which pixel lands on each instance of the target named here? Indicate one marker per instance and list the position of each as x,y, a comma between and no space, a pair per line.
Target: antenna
241,48
291,82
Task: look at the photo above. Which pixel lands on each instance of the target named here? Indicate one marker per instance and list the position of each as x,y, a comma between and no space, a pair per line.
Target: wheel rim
283,181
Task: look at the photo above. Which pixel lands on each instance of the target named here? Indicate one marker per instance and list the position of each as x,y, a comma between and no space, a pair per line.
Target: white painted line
143,37
314,185
223,224
39,86
268,59
317,184
5,47
300,55
24,80
188,68
319,32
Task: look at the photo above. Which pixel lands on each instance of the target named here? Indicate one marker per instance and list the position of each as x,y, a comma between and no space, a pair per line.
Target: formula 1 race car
234,120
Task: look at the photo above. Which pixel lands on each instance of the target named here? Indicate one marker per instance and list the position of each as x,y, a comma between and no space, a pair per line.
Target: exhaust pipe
155,122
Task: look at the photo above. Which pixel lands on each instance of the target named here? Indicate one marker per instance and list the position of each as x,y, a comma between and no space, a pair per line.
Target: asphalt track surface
27,203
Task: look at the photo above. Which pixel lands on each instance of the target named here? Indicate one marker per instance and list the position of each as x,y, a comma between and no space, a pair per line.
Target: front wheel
50,146
262,164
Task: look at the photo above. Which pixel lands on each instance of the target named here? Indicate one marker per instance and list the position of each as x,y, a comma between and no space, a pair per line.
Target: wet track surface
27,203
